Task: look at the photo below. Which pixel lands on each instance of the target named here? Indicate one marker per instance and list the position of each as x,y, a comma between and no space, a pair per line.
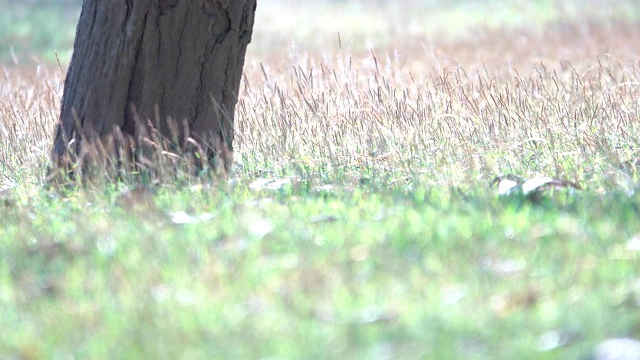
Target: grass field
362,220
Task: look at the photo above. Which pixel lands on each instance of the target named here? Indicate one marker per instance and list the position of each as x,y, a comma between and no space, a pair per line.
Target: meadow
379,207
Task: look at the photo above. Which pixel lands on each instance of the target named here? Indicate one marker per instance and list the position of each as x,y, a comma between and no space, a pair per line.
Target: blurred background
42,31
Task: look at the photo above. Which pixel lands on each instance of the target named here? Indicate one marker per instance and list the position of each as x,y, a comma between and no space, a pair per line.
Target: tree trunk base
122,156
139,64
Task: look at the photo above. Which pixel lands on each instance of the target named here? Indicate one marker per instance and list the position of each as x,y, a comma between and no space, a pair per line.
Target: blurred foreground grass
290,273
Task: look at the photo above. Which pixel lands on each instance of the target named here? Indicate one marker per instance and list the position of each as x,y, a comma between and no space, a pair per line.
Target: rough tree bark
171,67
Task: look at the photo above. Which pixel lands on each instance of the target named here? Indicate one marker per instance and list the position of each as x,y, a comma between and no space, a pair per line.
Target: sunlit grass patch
345,274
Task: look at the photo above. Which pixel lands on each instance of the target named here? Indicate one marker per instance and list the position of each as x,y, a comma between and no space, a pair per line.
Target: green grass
361,221
315,274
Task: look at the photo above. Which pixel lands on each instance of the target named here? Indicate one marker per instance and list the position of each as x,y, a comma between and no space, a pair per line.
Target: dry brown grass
559,99
556,97
29,103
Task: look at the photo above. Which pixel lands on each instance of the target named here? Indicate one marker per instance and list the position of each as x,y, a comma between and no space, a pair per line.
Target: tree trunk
165,67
